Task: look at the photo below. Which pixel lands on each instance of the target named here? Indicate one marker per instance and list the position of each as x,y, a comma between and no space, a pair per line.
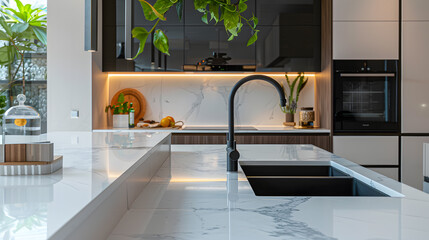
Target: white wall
69,67
203,100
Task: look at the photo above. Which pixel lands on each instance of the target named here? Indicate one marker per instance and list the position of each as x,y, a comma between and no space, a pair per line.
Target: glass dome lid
21,111
21,119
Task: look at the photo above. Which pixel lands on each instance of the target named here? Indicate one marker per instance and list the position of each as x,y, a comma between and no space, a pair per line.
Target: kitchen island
192,197
102,174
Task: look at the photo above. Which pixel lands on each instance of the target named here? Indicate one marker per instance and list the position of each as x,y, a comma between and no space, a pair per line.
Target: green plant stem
153,28
20,64
225,5
247,21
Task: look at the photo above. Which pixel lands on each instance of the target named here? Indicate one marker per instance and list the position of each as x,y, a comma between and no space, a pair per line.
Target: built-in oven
366,95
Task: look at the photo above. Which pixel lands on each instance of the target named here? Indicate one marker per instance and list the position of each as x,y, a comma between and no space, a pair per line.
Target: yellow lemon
20,122
165,122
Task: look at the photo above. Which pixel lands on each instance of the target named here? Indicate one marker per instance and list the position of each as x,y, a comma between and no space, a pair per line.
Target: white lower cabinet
368,150
392,173
412,161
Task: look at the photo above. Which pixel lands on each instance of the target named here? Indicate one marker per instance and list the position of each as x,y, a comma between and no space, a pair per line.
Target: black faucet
232,154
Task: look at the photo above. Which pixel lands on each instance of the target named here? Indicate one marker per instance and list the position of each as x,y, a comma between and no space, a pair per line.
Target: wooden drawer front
322,141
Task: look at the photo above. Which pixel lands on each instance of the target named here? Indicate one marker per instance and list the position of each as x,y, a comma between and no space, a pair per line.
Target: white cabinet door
368,150
366,10
415,78
426,159
366,40
415,10
412,161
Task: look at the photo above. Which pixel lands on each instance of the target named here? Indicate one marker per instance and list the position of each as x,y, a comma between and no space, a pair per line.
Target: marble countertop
192,197
258,129
36,207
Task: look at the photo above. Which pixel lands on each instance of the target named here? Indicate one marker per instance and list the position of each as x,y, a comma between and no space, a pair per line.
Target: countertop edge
83,214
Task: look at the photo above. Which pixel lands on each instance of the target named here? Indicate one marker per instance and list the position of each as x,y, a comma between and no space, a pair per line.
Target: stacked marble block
29,159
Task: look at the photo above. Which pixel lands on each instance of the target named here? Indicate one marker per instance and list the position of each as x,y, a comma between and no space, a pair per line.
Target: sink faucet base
232,156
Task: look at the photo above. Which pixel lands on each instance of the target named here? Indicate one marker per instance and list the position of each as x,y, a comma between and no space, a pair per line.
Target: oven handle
367,75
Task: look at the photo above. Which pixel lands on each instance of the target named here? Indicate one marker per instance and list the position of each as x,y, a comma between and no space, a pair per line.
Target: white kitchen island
102,175
130,175
192,197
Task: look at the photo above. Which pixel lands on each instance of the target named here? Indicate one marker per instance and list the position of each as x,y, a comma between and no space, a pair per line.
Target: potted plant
120,112
298,83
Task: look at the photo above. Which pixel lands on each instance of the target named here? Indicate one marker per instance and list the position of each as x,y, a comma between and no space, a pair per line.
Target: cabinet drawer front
415,10
368,150
365,10
366,40
412,161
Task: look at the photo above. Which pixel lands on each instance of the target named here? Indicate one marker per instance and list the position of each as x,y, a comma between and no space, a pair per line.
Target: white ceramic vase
120,120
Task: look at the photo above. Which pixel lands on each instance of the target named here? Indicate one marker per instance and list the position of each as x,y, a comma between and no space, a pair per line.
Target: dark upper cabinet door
294,12
151,59
193,17
290,36
202,42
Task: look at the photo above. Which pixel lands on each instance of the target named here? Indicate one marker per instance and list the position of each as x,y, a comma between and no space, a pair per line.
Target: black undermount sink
279,179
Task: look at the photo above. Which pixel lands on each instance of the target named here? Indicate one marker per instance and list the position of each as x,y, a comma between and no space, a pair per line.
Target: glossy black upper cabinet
289,39
207,46
115,42
290,36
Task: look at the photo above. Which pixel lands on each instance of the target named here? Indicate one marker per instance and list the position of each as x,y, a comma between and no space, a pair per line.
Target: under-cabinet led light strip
202,74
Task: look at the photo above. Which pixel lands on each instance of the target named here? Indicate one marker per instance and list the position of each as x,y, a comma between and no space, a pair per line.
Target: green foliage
2,108
120,108
21,30
211,10
292,102
161,41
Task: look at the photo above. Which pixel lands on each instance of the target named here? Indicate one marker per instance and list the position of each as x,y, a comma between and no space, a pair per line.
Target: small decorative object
306,118
120,112
292,101
23,152
123,97
131,117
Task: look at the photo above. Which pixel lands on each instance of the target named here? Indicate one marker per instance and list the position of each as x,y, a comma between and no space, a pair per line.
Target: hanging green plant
212,11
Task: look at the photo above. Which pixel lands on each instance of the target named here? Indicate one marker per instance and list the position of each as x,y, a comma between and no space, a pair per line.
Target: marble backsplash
202,100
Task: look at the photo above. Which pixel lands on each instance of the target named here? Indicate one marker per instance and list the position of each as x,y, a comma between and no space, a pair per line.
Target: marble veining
192,197
203,100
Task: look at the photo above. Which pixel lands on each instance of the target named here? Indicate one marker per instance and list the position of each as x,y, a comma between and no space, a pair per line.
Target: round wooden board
132,95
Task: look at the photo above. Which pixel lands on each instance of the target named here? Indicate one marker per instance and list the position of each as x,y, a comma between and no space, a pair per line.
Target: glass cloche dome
21,119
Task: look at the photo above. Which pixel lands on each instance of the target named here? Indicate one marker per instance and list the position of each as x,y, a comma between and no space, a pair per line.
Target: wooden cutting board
134,96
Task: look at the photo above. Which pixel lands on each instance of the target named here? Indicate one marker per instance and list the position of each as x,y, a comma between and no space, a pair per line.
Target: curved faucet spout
232,154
